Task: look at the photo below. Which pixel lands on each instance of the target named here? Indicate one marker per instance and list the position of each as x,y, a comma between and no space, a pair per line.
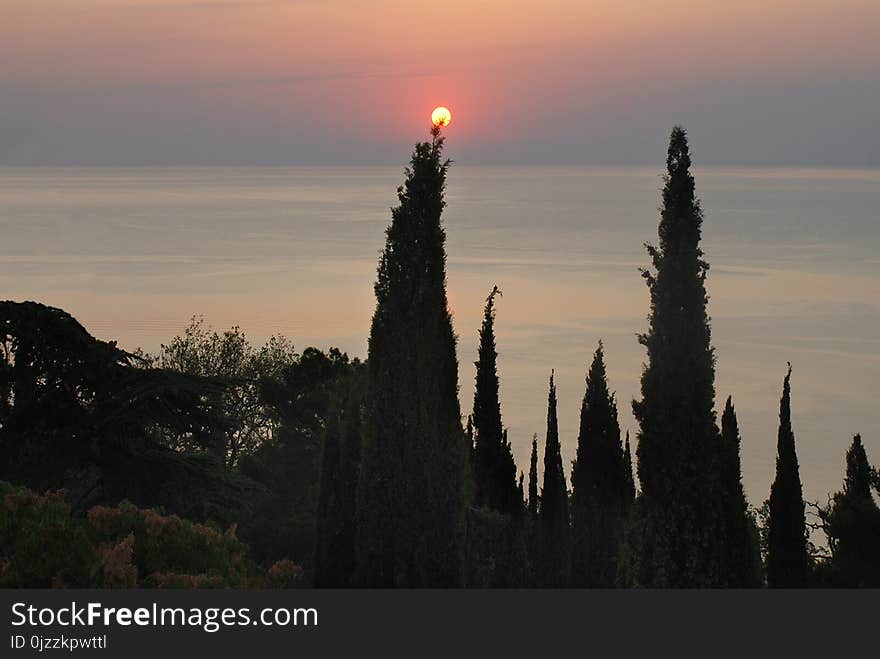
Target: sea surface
795,276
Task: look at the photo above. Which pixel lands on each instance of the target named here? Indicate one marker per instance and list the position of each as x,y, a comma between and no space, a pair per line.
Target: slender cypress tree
598,481
532,520
678,462
743,560
629,490
555,556
411,498
787,565
494,467
533,480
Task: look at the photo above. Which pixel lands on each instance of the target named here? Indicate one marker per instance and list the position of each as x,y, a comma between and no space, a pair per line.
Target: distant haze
190,82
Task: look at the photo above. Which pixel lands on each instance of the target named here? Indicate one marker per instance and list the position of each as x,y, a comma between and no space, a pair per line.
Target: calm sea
134,253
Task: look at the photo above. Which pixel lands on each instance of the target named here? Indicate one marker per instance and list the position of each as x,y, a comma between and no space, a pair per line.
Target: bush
42,545
165,545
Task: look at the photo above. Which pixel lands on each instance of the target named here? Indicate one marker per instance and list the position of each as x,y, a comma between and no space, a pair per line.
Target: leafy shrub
285,574
42,545
170,545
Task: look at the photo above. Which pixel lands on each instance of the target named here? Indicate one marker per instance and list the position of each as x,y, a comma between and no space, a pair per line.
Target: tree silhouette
83,415
312,403
532,510
411,508
494,467
679,442
851,523
787,534
599,485
203,352
554,566
743,559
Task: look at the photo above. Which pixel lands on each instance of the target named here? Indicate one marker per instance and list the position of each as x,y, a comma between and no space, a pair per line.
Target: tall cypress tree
787,565
494,467
598,481
682,520
743,556
554,567
411,503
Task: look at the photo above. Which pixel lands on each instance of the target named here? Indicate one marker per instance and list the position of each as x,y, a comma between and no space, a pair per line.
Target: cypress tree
682,520
532,520
859,474
494,467
493,463
743,560
598,481
411,498
787,564
533,480
852,524
629,488
554,564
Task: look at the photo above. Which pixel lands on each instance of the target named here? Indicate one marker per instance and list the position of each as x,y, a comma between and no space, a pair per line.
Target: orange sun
441,116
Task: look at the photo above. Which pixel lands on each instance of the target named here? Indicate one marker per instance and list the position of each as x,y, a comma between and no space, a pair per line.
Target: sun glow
441,116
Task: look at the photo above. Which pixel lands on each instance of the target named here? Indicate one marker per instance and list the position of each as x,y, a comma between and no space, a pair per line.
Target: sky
238,82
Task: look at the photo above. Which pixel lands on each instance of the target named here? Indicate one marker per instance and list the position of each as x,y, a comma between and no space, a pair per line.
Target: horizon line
267,165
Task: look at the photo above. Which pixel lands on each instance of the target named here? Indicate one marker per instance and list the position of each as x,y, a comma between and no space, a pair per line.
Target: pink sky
182,81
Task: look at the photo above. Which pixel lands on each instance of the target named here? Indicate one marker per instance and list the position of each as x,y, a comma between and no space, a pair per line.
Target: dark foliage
532,508
554,562
340,466
247,371
851,523
678,450
43,545
497,551
412,495
494,467
743,555
81,414
306,400
599,485
787,561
